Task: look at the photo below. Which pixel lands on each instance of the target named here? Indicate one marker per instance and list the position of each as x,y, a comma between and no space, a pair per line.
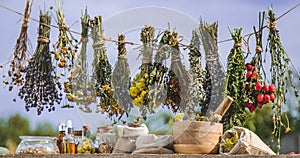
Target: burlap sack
248,144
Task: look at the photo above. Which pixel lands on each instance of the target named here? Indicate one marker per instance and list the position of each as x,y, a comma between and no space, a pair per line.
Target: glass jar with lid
37,145
105,139
86,144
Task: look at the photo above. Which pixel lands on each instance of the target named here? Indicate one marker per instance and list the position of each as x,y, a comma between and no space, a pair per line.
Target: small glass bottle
68,139
105,139
78,138
61,134
86,144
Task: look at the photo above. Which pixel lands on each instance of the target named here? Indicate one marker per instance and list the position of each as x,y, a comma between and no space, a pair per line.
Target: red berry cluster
257,93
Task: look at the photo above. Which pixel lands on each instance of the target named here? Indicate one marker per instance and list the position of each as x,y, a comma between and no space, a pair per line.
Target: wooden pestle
224,106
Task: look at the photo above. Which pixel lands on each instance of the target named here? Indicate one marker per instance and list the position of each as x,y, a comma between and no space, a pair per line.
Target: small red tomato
267,98
272,97
266,88
248,104
252,108
248,74
254,75
272,88
260,98
258,86
259,105
249,67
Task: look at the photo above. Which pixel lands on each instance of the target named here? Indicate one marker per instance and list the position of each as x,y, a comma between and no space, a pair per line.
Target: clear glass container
86,144
37,145
105,139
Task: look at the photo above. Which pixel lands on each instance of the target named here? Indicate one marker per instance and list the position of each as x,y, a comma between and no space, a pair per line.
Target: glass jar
86,144
77,137
105,139
37,145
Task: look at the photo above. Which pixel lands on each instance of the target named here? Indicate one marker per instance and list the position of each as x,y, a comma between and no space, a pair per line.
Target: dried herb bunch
178,79
281,75
215,73
235,83
102,72
64,49
197,75
157,89
18,63
121,77
78,88
41,83
140,83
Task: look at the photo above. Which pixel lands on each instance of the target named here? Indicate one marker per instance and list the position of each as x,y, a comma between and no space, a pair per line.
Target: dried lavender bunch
17,64
78,88
102,73
197,74
214,68
41,84
121,77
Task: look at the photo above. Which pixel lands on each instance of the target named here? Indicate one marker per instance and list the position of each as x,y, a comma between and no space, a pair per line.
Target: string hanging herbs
78,88
102,73
281,75
140,83
41,87
18,63
121,77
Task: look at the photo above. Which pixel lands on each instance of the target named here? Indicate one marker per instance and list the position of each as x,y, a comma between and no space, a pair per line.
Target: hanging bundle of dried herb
17,64
157,90
64,49
140,83
235,83
41,83
215,84
197,74
281,74
78,88
178,79
121,77
102,73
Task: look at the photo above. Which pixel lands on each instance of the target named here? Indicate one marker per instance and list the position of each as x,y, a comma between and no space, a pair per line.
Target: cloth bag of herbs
241,141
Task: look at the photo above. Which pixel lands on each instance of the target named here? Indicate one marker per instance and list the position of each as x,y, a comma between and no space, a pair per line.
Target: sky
128,17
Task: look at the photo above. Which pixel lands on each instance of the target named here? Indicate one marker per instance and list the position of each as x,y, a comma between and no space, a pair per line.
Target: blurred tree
44,129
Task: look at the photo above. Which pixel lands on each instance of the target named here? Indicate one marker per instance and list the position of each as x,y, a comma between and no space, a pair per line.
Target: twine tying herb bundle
41,86
178,79
121,77
102,73
140,83
17,64
235,83
197,92
78,88
281,75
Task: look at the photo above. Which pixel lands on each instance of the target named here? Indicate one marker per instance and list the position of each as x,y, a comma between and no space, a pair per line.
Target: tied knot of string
42,39
25,23
258,49
212,57
122,56
146,60
175,58
236,45
84,39
64,27
272,25
98,44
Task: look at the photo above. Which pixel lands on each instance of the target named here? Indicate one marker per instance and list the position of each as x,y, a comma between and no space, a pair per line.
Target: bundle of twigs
17,64
41,83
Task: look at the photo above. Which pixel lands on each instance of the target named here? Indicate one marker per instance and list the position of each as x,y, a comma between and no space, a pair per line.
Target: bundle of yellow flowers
138,89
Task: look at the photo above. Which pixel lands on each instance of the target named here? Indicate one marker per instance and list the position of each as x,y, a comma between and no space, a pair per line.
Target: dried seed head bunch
17,64
121,77
157,89
78,88
215,84
281,74
197,75
140,83
41,84
64,48
102,73
178,79
235,82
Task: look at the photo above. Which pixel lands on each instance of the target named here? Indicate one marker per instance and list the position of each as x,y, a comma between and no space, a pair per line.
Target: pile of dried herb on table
18,63
140,83
102,73
121,77
78,88
41,87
